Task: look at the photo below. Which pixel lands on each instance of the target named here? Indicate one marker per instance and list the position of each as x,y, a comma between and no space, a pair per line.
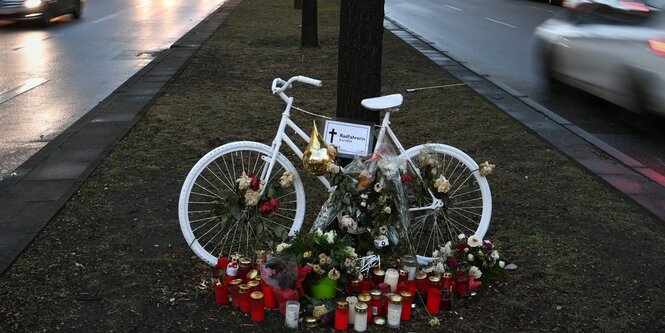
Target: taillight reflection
658,46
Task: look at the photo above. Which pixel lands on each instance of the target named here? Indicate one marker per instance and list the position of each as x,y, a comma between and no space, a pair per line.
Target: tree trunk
309,36
360,49
297,4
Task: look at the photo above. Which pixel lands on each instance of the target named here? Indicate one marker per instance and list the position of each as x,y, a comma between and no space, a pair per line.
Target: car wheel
45,21
78,10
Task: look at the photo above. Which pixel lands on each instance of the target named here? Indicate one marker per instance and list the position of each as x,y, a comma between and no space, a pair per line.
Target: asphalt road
50,77
495,38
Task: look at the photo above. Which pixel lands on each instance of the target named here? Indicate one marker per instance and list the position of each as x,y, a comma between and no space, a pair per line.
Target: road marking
106,18
543,10
455,8
25,86
499,22
32,42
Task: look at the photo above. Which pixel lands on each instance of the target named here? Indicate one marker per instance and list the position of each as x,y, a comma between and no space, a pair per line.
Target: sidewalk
113,257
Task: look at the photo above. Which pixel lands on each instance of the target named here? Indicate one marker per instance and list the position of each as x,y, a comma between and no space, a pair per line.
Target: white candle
391,278
292,314
353,300
360,324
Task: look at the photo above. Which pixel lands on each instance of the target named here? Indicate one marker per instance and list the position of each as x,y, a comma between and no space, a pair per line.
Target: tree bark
309,35
360,50
297,4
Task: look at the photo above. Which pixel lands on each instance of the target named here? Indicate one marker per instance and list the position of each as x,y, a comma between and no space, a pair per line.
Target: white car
614,50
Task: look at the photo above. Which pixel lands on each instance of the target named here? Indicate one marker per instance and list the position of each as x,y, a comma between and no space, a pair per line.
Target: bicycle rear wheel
214,214
467,205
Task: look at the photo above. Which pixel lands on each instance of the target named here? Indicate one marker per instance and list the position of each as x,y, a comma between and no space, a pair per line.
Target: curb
41,186
624,174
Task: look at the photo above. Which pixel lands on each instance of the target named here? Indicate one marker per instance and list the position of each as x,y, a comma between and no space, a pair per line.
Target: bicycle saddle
382,103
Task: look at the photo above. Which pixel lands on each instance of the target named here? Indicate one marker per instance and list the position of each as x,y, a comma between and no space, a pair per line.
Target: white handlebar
279,85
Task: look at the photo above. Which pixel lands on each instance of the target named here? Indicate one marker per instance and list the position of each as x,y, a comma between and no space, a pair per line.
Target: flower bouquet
472,258
326,258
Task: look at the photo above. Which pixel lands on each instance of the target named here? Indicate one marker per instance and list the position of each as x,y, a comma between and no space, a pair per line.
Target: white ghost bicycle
216,220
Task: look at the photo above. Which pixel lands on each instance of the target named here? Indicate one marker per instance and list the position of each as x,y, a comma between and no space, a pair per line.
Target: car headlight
33,3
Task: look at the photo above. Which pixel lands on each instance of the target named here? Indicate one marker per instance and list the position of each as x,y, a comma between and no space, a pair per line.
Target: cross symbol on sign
332,135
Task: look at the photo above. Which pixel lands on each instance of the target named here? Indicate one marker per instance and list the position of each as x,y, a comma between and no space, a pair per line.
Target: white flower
319,311
363,204
461,236
439,268
436,253
434,171
502,263
330,236
469,257
334,274
486,168
495,255
475,271
282,246
364,196
474,241
442,184
466,249
348,223
351,251
286,180
333,168
447,249
318,232
252,197
333,150
378,187
387,210
243,181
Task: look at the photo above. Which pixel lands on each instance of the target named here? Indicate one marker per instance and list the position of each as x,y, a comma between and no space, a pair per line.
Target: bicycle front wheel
467,201
216,216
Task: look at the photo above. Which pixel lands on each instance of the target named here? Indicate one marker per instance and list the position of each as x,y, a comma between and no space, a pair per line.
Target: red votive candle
354,287
421,282
445,300
234,288
221,293
243,298
407,300
384,287
433,300
376,304
378,275
365,286
403,276
257,312
342,315
411,287
447,281
269,299
462,282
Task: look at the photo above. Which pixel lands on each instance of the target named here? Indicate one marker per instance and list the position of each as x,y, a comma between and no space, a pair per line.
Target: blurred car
41,10
612,49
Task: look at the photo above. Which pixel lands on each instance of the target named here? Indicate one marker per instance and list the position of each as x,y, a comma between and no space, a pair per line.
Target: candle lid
379,321
403,272
252,274
257,295
257,278
355,282
253,283
244,261
405,294
421,276
379,272
364,298
235,282
375,293
244,288
311,322
447,275
361,307
434,279
342,304
395,299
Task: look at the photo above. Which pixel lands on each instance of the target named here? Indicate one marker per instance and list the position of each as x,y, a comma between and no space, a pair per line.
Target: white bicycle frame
281,135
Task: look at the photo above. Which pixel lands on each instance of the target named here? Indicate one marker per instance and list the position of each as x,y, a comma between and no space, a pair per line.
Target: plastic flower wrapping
368,196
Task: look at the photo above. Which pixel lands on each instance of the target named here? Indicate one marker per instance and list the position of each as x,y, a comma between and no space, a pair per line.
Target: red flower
487,245
269,207
452,262
303,270
461,246
406,179
255,183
